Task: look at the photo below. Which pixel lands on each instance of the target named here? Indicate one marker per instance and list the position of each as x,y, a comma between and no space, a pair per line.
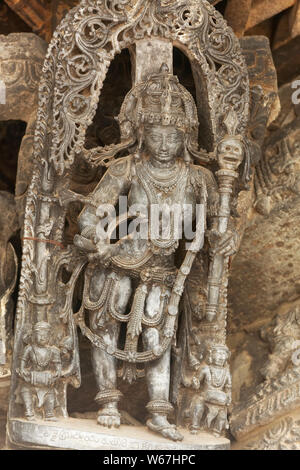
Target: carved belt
149,274
135,320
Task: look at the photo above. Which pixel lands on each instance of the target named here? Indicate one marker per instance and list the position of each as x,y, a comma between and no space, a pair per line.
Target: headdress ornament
219,347
42,325
162,100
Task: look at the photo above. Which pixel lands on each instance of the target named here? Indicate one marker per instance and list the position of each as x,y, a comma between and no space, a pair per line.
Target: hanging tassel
134,329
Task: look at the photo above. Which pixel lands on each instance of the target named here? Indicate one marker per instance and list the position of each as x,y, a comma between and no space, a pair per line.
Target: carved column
21,59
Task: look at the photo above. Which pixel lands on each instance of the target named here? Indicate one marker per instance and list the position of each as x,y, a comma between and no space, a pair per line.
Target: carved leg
158,381
28,404
49,404
105,365
197,411
221,422
105,370
212,413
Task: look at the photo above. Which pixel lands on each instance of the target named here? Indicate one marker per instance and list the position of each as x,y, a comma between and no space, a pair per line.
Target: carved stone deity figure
134,280
40,369
143,272
215,392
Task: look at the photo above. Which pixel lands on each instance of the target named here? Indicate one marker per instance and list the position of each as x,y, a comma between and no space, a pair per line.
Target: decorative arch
94,32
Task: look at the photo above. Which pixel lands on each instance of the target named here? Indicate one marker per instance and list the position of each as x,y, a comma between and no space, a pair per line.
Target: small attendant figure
216,392
40,369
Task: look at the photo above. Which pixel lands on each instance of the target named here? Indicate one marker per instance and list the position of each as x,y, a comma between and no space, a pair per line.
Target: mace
230,152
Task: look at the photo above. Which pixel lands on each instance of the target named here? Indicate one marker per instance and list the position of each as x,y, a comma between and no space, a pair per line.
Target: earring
140,145
186,154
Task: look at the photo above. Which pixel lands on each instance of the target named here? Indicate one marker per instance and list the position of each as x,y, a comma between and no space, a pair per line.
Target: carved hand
225,244
195,383
229,399
25,374
104,253
66,197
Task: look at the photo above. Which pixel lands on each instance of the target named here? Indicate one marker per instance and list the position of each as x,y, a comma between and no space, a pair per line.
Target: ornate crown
219,347
161,99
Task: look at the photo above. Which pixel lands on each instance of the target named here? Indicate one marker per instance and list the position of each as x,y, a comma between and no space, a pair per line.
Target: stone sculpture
40,369
159,175
136,299
216,393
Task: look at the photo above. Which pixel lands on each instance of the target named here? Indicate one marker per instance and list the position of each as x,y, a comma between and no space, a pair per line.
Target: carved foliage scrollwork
94,32
285,435
271,399
277,178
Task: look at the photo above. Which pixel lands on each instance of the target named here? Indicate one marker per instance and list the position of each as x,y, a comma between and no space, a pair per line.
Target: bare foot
30,418
109,417
161,425
51,418
194,429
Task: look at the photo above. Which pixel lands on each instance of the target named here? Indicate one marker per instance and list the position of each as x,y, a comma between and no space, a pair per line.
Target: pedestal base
85,434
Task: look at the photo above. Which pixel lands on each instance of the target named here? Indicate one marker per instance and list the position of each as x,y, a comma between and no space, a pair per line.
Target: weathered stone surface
45,363
237,14
34,13
264,287
264,9
9,225
282,434
84,434
264,108
277,19
269,248
21,61
21,58
262,73
264,296
285,59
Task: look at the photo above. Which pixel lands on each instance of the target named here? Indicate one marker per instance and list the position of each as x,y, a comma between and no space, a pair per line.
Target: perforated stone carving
159,133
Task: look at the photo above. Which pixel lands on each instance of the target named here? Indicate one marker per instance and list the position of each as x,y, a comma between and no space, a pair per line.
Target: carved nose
164,144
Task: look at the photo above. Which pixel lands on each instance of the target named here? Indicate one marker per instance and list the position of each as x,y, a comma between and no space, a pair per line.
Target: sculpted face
42,337
163,143
219,357
230,153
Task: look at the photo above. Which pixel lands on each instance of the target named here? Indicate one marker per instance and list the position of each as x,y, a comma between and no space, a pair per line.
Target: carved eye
228,148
